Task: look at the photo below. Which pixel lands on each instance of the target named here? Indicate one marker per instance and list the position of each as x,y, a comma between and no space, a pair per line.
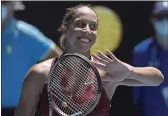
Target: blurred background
123,25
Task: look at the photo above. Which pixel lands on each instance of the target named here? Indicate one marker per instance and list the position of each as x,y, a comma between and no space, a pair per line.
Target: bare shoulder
43,68
32,88
37,76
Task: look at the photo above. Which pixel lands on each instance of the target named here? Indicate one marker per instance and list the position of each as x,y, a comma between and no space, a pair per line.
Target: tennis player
79,33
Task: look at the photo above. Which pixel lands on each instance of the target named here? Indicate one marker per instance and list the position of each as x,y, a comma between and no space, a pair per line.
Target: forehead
86,13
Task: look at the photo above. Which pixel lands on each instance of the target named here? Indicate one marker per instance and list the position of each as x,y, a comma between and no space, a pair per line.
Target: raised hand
115,70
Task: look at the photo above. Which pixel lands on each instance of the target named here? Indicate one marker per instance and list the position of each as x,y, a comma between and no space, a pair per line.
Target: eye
93,26
80,24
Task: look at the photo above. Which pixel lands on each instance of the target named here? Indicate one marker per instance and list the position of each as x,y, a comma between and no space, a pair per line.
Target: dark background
47,16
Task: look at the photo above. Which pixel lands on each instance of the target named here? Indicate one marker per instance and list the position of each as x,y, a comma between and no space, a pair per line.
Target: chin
83,48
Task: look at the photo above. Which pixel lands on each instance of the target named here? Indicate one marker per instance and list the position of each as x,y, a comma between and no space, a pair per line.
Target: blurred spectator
23,45
153,101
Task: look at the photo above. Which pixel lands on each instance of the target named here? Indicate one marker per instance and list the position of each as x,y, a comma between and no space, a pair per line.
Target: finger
99,65
104,56
111,55
99,59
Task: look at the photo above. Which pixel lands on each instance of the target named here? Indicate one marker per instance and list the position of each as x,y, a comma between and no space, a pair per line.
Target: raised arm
31,89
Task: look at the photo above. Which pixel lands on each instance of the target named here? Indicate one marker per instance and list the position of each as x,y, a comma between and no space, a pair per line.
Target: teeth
84,39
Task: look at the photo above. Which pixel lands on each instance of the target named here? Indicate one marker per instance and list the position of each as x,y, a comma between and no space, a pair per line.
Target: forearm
131,82
149,76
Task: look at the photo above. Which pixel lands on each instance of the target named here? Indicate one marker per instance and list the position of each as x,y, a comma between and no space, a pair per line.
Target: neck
86,54
72,50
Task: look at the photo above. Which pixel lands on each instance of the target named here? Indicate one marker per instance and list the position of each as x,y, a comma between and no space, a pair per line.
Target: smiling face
82,32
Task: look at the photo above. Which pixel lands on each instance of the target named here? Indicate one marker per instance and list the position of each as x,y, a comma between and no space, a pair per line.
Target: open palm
115,70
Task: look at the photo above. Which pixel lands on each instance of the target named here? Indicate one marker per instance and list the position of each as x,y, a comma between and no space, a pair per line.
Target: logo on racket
89,83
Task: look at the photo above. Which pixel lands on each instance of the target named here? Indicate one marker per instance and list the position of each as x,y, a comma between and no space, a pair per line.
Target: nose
86,29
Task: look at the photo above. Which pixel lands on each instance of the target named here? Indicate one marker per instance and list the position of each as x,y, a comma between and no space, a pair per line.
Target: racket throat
76,114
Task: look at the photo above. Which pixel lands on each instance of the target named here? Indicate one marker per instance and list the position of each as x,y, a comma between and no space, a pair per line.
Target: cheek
70,34
94,35
75,31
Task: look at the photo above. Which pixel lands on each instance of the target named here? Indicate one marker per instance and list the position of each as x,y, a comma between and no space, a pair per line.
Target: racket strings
71,81
82,72
71,102
56,92
80,77
79,74
59,98
83,67
68,107
67,99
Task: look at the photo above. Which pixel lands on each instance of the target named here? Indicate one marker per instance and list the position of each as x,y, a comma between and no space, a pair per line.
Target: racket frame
58,59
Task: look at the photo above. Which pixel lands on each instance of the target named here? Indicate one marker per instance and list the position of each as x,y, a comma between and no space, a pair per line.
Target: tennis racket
74,86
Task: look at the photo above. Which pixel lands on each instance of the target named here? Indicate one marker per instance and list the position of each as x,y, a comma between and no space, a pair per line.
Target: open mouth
83,39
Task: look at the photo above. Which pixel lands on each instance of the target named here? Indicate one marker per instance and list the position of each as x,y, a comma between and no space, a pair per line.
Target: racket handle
51,112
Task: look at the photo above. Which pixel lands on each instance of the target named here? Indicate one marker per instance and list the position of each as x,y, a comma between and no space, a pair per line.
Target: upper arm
31,89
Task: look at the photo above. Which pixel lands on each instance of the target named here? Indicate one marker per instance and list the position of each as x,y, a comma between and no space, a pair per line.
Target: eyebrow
78,19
